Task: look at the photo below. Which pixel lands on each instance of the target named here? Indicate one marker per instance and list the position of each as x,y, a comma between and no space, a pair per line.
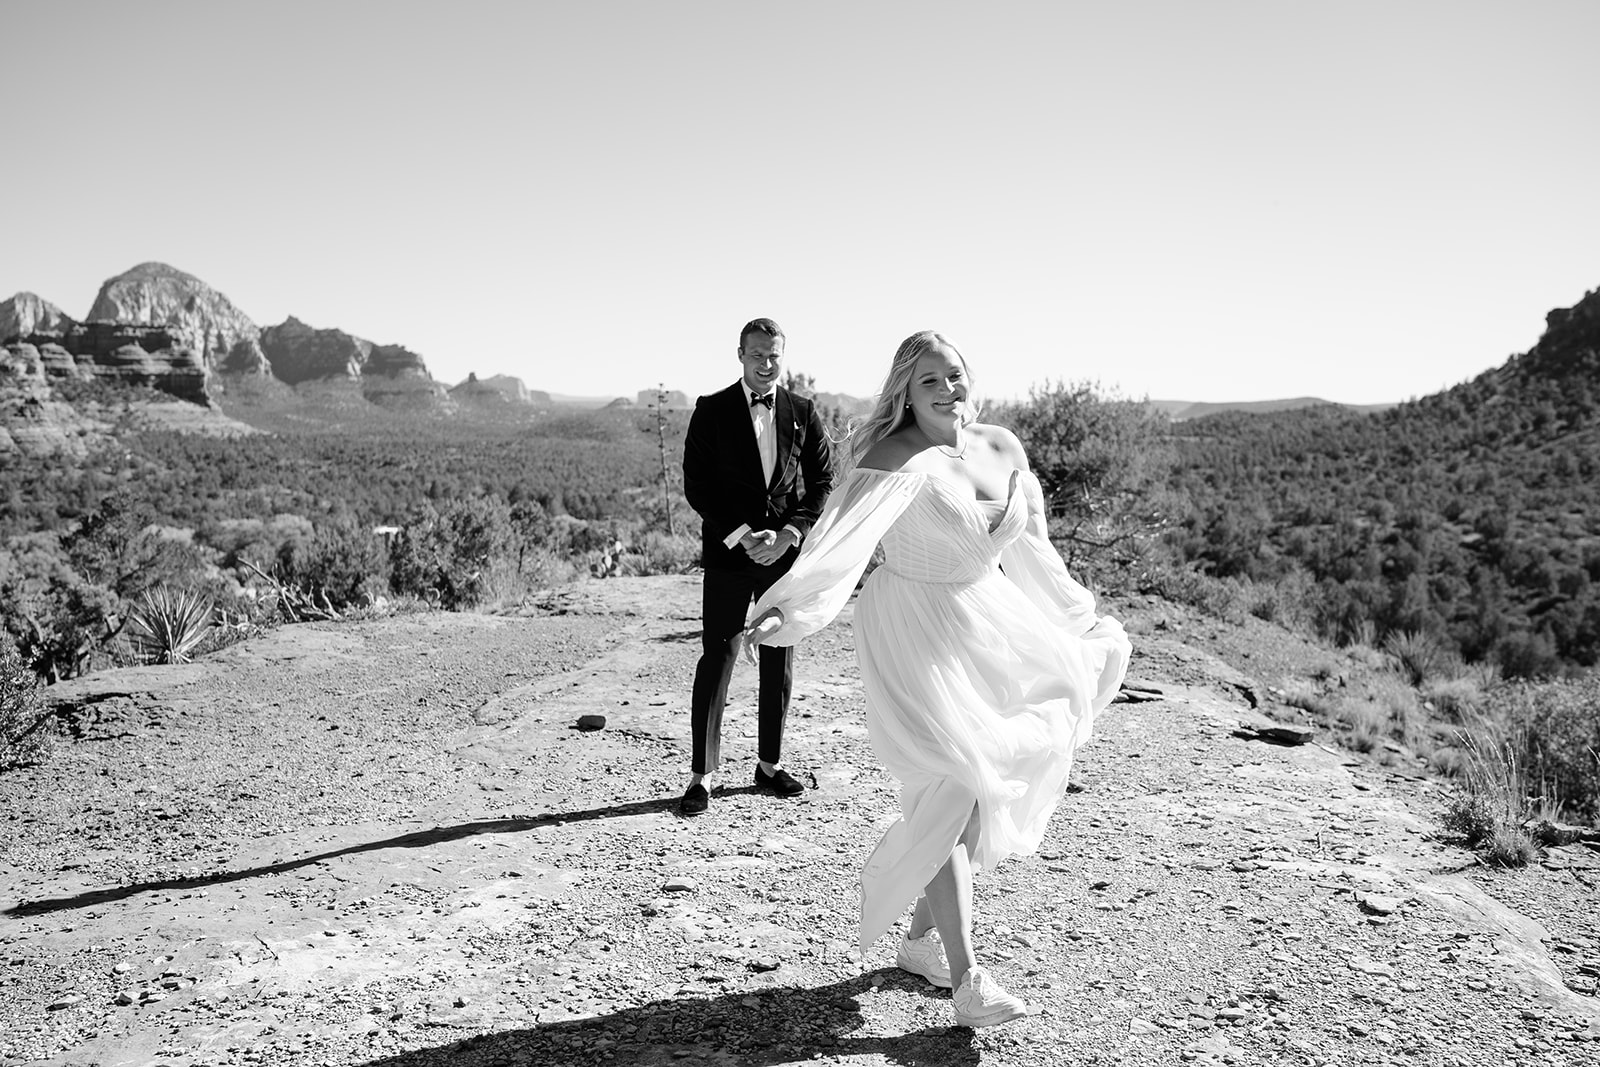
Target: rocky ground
386,843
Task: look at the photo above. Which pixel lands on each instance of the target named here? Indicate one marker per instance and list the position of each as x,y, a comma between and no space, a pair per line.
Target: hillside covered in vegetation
1472,515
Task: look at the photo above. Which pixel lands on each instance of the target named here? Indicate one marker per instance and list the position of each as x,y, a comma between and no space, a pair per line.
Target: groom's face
762,357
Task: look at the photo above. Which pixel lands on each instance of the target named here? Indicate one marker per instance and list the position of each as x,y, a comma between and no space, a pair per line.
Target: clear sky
1362,201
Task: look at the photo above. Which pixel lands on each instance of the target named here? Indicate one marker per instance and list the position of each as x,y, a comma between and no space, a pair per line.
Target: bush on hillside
449,557
344,564
1557,725
1103,462
24,725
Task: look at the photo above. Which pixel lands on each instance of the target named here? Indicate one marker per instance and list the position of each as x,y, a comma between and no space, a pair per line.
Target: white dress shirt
763,421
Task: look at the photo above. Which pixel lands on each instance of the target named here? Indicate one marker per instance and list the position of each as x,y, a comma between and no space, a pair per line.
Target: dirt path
386,843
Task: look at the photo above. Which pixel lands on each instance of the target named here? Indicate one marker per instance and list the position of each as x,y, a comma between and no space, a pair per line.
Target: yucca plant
165,626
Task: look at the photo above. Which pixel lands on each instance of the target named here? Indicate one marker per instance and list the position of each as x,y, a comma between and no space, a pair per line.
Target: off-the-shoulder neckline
1016,473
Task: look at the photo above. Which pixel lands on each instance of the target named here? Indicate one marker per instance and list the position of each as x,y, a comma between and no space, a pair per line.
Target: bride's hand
759,630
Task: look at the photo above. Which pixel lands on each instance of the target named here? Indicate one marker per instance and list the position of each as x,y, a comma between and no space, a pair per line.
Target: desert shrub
1103,461
449,557
61,624
656,552
1454,698
1285,600
1220,598
118,548
1558,727
1526,654
24,725
344,563
167,626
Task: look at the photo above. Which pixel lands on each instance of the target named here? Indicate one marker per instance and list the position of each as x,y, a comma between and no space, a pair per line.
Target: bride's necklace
944,450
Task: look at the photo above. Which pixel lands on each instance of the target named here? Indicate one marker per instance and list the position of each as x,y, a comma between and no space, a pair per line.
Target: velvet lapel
783,417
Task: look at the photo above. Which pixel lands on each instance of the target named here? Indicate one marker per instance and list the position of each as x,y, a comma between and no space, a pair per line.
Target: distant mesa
391,376
621,402
673,398
1179,410
501,390
299,353
199,317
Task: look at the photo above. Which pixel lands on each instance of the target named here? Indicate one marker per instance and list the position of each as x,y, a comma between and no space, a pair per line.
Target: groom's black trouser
725,601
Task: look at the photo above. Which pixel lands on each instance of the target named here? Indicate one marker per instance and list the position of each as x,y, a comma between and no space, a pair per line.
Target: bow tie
757,398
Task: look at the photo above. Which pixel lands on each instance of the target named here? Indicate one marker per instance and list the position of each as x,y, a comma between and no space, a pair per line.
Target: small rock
1138,1026
122,968
1380,905
65,1002
1285,735
591,722
764,963
1549,832
1370,966
125,998
678,885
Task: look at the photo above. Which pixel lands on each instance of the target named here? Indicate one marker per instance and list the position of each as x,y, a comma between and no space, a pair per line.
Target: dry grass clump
1491,802
1456,698
1365,720
1421,656
1557,728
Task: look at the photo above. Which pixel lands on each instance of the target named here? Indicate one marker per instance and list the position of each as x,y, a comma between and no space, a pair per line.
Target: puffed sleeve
1033,564
853,521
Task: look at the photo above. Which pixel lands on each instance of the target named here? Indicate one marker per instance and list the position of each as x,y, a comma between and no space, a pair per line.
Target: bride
983,661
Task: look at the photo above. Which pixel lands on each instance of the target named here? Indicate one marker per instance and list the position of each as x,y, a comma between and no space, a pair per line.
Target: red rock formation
201,319
26,313
134,355
301,353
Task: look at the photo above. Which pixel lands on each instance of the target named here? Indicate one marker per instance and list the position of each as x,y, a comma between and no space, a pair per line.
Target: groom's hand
755,538
774,544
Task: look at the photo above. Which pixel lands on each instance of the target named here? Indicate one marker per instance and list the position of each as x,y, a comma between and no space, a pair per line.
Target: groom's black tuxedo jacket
722,471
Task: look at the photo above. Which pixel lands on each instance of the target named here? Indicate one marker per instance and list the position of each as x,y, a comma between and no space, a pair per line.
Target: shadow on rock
745,1029
415,839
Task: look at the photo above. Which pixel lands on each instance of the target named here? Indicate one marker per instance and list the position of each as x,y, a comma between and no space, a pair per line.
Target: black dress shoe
779,781
694,801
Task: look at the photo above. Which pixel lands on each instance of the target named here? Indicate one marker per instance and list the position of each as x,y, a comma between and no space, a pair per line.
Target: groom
756,468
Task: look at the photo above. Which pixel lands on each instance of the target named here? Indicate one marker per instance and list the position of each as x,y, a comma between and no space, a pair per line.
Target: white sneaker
981,1002
925,956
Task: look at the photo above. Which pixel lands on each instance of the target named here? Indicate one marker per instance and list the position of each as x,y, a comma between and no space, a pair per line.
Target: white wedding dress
983,662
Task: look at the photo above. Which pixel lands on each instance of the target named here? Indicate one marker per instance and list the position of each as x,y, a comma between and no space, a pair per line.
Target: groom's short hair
763,326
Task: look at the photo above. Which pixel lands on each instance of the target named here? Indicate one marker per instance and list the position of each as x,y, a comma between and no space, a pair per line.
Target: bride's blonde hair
893,409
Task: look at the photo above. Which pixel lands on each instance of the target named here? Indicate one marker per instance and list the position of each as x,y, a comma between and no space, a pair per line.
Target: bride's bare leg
948,900
921,919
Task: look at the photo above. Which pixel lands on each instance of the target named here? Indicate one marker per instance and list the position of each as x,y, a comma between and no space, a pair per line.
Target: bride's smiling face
939,387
